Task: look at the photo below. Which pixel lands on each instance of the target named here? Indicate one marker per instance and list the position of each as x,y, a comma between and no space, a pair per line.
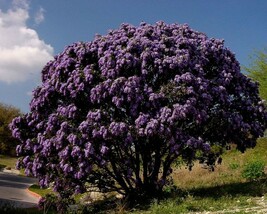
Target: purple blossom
118,128
88,150
141,120
76,151
104,150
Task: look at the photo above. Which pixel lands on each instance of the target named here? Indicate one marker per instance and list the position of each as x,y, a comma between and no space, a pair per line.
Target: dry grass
6,161
199,177
228,172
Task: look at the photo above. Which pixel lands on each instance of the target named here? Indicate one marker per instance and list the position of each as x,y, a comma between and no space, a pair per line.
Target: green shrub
253,170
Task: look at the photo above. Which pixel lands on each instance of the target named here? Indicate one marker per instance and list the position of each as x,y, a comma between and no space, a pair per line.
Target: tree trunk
143,195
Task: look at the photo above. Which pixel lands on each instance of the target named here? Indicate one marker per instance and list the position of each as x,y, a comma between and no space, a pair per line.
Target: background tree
258,71
115,113
7,142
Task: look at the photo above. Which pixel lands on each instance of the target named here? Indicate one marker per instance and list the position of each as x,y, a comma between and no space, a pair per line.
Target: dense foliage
7,142
258,71
116,112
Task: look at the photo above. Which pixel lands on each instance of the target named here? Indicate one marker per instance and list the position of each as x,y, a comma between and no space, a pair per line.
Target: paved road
13,190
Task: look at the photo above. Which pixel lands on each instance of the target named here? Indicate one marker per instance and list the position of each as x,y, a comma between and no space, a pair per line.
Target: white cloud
22,53
21,4
39,16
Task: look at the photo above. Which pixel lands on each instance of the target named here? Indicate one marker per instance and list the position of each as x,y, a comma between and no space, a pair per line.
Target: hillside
229,189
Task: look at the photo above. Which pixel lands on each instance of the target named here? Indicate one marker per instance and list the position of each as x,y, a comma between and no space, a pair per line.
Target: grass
195,204
225,197
7,162
40,191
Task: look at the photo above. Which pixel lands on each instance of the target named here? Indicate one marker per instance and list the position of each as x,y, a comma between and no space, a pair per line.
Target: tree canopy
116,112
258,71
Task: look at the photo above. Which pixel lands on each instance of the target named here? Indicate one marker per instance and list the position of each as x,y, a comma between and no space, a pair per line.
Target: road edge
34,193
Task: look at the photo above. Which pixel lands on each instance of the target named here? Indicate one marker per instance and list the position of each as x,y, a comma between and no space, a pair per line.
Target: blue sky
33,31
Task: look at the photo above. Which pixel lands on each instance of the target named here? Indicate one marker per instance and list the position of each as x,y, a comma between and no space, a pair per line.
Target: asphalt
13,191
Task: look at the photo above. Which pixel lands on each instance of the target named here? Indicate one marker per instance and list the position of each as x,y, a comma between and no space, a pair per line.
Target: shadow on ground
8,207
232,190
249,188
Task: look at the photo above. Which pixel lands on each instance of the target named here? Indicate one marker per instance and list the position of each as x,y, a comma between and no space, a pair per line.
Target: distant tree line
7,142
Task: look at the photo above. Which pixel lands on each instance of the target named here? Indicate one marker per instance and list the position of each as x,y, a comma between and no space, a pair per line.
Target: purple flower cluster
136,96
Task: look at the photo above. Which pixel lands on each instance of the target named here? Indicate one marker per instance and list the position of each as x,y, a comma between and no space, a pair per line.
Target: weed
254,170
234,166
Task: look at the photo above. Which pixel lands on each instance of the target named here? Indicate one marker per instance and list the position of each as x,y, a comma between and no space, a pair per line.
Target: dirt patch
10,170
260,208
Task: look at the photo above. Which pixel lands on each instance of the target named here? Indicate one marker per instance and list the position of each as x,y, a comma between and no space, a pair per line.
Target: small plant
253,170
234,166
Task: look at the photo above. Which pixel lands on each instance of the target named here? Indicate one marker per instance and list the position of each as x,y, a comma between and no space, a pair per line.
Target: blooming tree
117,112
